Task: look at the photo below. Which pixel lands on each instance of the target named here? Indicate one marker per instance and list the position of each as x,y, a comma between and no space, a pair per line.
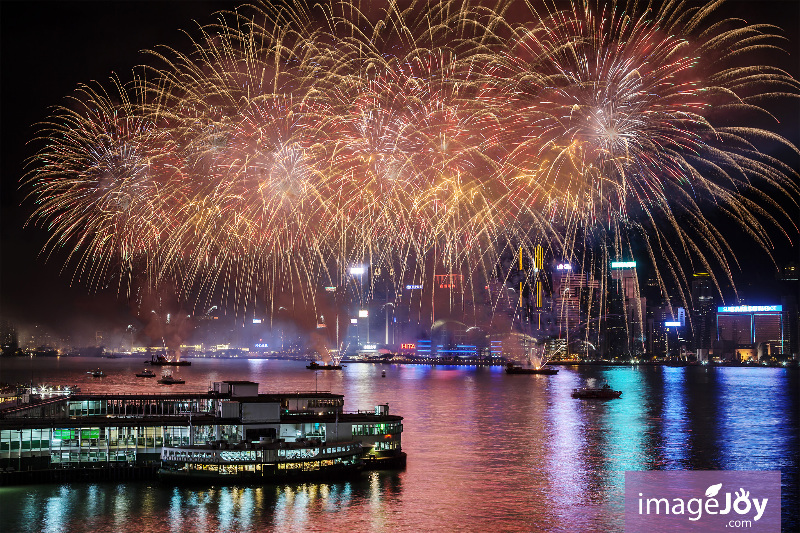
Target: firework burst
290,143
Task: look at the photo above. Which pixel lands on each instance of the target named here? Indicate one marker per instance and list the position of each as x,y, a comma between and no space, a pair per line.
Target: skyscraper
626,305
703,312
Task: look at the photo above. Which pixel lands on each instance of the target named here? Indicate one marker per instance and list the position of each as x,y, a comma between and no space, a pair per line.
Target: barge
316,366
511,368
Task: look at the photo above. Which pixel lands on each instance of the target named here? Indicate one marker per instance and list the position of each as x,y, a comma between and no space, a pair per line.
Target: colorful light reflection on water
513,452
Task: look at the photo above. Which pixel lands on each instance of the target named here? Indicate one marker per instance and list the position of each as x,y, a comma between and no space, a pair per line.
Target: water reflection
675,442
484,447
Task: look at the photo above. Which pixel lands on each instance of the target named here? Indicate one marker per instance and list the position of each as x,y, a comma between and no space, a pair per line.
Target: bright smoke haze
293,142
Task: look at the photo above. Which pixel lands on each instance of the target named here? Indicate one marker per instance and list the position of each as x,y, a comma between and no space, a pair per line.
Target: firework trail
291,142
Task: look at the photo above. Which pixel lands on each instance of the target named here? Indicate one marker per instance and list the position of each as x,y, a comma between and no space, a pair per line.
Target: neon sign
407,346
623,264
750,308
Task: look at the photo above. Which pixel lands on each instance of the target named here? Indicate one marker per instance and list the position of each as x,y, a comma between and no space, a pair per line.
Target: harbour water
485,449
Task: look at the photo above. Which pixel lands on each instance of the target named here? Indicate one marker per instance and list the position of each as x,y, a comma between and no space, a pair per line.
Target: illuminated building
624,320
8,337
666,325
703,313
757,327
575,299
106,431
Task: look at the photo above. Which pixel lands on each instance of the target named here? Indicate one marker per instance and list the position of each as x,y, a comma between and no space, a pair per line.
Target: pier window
387,445
377,429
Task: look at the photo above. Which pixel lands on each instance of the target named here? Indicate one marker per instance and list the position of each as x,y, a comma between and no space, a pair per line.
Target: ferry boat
263,462
169,380
511,368
146,373
316,366
96,373
134,428
594,393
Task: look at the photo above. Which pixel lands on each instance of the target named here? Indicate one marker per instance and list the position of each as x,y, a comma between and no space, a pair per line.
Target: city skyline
39,291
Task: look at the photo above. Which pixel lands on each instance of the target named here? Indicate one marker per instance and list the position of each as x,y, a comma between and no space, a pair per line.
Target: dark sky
48,48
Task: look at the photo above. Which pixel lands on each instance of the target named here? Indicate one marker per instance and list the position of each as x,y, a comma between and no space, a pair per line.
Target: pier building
89,430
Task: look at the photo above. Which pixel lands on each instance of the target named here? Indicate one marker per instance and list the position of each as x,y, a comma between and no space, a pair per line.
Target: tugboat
593,393
316,366
97,373
146,373
169,380
511,368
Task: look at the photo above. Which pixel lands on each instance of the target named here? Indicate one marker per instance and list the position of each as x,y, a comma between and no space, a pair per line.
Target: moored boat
511,368
316,366
596,393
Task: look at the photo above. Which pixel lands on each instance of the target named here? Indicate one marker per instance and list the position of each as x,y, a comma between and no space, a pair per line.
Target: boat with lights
316,366
511,368
596,393
170,380
263,462
162,360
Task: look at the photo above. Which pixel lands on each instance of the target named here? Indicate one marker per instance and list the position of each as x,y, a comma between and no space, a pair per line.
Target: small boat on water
511,368
594,393
169,380
383,373
316,366
97,373
146,373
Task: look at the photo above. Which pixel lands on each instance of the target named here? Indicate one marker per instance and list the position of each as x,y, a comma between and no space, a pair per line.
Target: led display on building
750,309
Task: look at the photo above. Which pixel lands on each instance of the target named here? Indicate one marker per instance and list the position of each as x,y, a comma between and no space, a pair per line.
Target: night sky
48,48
